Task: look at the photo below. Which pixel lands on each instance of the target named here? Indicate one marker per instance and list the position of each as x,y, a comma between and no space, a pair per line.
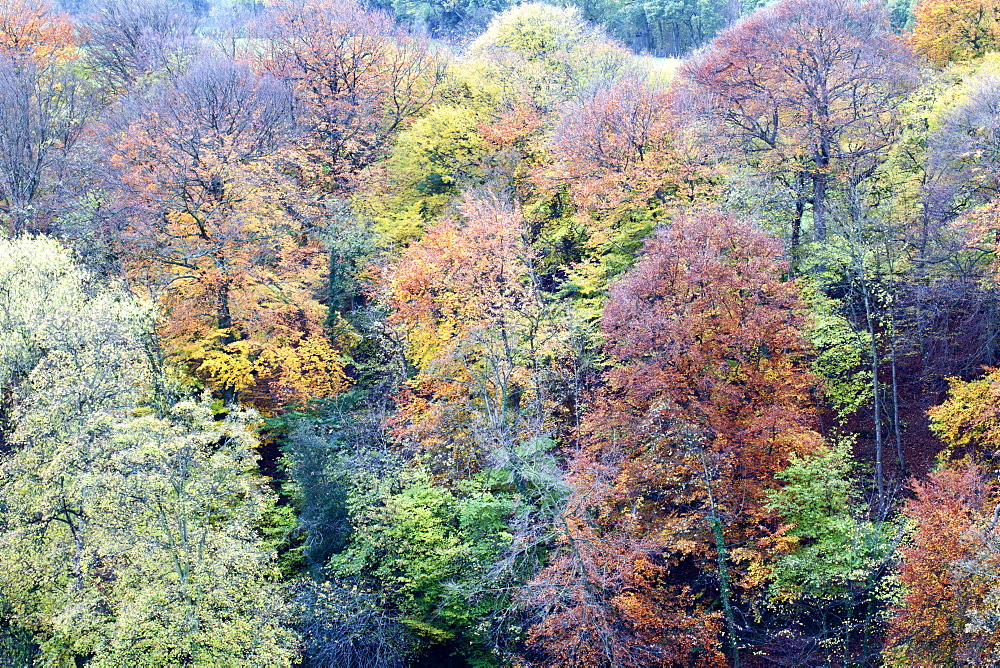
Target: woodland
463,333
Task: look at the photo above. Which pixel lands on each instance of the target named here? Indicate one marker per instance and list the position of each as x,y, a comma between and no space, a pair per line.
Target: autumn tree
35,30
807,89
962,150
543,53
707,397
65,355
151,550
626,163
944,573
730,360
44,106
126,41
432,161
617,598
44,294
949,565
358,76
221,237
477,333
968,423
135,537
955,31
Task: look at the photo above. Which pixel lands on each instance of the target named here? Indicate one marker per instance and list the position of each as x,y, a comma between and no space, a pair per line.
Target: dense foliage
478,334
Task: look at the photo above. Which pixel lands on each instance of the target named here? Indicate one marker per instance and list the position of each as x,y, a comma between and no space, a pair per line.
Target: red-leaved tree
709,394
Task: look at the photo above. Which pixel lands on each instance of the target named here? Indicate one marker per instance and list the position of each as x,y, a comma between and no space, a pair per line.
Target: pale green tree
126,537
549,54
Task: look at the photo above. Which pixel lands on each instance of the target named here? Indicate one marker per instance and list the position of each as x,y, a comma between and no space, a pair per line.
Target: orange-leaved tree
708,395
217,233
478,335
949,568
358,77
950,612
33,29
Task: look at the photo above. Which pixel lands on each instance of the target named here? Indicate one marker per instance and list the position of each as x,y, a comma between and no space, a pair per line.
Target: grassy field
661,71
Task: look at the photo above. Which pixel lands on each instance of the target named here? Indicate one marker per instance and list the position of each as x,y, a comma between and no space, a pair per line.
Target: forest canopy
416,333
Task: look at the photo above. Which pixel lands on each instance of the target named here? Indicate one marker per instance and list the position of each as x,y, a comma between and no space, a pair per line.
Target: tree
950,564
196,582
708,396
968,422
140,539
808,89
433,160
661,28
359,78
222,238
478,334
706,298
43,111
961,151
626,163
46,311
955,31
342,626
423,551
34,30
829,575
945,586
126,41
545,53
134,537
44,105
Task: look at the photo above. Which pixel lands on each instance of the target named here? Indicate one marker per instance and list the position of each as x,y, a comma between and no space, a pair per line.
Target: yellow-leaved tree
956,30
221,237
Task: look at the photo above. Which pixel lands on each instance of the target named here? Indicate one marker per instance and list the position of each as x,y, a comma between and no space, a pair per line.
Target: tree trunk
230,396
876,400
819,202
796,240
723,569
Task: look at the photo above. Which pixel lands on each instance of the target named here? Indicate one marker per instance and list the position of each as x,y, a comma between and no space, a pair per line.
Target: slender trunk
848,614
230,396
857,213
876,400
720,550
924,238
819,206
898,432
893,362
800,206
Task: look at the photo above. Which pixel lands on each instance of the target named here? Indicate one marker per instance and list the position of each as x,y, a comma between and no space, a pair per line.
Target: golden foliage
955,30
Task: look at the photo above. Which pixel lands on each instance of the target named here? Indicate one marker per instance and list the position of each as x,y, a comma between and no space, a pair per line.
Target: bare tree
130,38
43,111
358,78
803,87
